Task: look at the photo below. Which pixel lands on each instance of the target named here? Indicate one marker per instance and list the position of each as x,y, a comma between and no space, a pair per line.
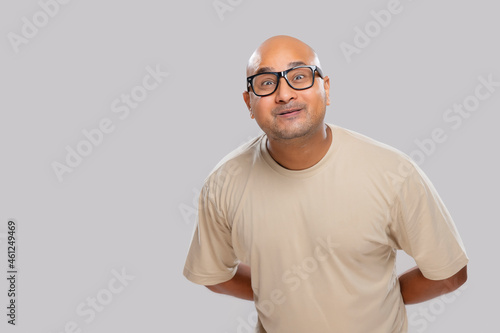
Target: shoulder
372,156
364,143
225,185
236,164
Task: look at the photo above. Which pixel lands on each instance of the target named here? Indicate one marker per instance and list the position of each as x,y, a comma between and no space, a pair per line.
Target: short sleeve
211,258
424,229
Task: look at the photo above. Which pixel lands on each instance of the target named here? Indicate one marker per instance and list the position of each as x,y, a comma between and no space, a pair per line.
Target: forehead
279,58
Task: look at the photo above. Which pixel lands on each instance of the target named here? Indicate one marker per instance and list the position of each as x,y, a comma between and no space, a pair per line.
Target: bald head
278,53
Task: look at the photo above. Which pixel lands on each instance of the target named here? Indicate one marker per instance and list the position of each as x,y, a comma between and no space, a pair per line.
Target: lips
289,112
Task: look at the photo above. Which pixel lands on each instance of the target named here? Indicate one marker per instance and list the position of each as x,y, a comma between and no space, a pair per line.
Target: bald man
306,219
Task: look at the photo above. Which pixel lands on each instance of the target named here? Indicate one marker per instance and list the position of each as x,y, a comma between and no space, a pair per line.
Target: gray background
129,204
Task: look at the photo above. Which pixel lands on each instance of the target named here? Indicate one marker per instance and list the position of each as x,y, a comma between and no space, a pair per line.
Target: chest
288,219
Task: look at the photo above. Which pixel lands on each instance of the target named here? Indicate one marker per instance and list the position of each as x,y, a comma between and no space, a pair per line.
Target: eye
298,77
267,83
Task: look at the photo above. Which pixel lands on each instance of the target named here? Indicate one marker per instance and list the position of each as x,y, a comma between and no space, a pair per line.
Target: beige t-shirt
321,242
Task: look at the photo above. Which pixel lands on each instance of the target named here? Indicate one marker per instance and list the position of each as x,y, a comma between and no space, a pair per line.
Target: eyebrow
271,69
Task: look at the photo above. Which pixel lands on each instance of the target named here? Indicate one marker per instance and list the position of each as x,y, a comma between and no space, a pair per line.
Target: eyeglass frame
283,74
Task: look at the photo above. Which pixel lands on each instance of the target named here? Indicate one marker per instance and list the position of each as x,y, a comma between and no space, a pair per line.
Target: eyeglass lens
299,78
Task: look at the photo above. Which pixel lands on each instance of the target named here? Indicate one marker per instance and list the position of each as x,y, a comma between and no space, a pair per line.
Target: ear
246,98
326,85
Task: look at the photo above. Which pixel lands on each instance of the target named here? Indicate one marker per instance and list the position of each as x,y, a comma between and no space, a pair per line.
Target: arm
239,286
416,288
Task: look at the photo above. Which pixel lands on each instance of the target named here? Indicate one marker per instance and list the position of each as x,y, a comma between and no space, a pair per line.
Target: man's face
287,113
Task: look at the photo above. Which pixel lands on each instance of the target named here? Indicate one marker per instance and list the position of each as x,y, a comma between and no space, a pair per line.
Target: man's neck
301,153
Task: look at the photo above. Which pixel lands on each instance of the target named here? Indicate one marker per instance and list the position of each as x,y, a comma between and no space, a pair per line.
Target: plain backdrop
129,205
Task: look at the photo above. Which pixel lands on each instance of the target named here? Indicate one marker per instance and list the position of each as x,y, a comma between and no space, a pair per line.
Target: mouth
289,113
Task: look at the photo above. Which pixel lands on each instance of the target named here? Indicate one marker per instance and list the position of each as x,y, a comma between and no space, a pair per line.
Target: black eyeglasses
299,78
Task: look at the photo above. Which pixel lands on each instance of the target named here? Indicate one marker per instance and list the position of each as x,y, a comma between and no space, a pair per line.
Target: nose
284,93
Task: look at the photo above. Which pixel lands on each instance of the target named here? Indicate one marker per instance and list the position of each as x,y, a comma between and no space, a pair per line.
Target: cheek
261,117
320,94
318,99
262,108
